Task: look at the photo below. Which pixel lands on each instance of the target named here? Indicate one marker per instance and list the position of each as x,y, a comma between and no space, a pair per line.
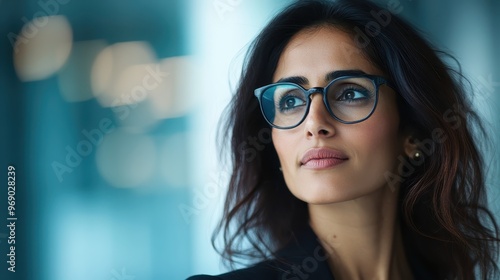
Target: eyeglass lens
349,99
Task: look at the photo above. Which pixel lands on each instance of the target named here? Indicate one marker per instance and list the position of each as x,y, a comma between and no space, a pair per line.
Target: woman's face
356,155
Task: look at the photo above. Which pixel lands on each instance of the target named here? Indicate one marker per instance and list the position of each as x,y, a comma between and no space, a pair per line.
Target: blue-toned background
109,112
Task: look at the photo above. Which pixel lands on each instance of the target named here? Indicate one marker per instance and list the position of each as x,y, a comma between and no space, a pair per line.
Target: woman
373,171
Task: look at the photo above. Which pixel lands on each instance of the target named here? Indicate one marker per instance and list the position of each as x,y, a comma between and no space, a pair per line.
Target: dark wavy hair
444,217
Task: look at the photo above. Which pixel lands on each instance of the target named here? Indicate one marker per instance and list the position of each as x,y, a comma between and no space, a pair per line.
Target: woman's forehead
313,53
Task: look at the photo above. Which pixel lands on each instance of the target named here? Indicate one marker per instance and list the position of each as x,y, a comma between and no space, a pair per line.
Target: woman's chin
327,194
322,195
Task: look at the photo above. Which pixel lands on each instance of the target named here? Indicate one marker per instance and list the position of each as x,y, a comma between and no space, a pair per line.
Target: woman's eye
290,102
353,95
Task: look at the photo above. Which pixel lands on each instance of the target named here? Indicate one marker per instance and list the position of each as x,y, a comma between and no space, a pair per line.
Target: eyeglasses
349,99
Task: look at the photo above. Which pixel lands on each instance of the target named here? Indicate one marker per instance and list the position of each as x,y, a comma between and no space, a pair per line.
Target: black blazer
304,258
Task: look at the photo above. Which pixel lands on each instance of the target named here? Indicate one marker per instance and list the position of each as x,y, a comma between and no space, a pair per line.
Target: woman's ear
410,146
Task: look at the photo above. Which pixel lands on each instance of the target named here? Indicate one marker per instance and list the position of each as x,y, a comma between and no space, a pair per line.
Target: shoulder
302,258
266,270
203,277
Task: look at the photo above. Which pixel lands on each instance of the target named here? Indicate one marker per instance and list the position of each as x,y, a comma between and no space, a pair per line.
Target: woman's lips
321,158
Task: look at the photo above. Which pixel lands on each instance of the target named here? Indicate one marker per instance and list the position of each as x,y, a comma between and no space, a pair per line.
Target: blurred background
109,111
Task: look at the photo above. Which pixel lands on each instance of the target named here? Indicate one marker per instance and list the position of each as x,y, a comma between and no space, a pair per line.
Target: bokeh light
110,72
42,47
180,90
126,159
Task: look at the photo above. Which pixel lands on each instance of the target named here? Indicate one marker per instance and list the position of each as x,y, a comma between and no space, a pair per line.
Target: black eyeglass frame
376,80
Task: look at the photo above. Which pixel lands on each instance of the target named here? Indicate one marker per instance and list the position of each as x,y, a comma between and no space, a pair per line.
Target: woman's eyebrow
301,80
350,72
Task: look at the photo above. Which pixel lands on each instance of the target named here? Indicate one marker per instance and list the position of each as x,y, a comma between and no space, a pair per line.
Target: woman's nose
318,122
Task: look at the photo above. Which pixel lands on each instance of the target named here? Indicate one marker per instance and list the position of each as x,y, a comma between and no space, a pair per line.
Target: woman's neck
362,236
